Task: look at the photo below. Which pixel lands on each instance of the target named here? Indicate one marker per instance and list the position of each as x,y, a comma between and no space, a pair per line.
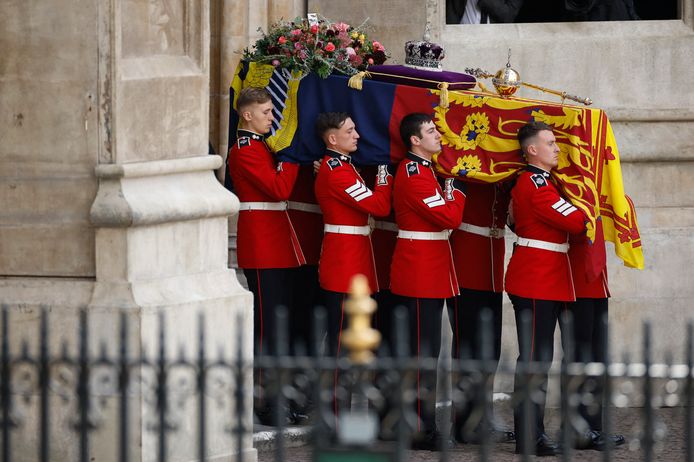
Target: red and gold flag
480,143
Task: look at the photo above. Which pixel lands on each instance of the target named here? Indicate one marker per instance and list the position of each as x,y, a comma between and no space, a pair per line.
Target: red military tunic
383,238
305,215
584,258
479,258
345,200
266,238
540,213
423,268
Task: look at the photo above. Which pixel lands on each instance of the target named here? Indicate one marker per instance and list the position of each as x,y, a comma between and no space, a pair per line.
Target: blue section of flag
370,109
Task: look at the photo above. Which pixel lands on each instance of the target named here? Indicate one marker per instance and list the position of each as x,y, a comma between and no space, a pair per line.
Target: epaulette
243,141
538,180
412,168
334,162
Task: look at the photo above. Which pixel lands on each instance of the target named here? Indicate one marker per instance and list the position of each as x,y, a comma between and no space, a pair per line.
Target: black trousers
425,342
535,344
306,297
334,303
589,333
384,321
271,288
466,314
467,309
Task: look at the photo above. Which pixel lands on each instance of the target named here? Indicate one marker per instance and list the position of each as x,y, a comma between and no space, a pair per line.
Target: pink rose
371,61
356,60
275,62
297,46
350,51
378,47
314,29
330,47
282,40
341,26
296,32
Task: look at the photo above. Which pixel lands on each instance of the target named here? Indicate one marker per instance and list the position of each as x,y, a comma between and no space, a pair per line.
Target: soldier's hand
385,174
453,184
316,166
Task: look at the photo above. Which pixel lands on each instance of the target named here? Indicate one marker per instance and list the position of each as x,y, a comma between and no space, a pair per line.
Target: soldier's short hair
330,121
251,95
411,125
528,131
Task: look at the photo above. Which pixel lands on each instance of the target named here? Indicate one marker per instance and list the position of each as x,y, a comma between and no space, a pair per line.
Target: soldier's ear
331,139
246,115
415,140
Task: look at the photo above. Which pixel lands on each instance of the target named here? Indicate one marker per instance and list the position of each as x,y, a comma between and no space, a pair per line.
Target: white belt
347,229
553,246
496,233
386,226
304,207
263,205
424,235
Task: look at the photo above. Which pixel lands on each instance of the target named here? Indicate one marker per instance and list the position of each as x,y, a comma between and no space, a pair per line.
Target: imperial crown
423,54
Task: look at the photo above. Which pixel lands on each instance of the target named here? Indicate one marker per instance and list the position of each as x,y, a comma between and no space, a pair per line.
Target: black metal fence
355,408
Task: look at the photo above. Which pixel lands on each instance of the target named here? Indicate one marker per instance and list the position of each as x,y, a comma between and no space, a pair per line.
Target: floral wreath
318,46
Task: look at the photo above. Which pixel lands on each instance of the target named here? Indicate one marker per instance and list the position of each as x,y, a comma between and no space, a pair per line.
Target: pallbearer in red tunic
268,249
538,277
422,271
478,253
346,202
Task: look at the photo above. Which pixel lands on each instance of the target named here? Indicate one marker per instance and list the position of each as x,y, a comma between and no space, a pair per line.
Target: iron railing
375,398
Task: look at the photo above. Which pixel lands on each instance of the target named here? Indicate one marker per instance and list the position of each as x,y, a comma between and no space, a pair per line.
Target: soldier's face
429,141
544,152
258,117
345,138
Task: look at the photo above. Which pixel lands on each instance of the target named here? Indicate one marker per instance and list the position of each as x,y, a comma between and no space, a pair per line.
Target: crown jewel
423,54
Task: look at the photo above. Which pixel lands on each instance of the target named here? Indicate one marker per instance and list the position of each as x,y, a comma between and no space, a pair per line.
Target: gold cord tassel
357,80
443,96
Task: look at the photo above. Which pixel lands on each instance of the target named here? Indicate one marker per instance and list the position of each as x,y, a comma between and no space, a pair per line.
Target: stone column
110,202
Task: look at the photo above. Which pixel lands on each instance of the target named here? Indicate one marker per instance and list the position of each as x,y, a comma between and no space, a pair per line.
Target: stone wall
48,148
109,198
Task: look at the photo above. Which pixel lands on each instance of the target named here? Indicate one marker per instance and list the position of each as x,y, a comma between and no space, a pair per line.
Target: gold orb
506,81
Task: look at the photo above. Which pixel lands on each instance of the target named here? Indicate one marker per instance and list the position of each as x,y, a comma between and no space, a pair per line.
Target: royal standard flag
479,138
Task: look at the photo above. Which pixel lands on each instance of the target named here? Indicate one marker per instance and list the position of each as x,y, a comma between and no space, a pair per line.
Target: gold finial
360,339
